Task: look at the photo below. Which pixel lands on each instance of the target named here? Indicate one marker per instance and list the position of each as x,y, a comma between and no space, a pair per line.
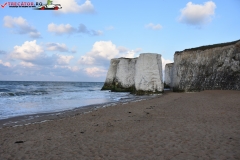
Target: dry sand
203,125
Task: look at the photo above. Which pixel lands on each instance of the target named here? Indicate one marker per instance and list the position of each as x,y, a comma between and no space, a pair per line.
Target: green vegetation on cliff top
209,46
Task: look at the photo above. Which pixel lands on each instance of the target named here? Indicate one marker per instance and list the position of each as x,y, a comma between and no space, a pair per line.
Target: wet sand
203,125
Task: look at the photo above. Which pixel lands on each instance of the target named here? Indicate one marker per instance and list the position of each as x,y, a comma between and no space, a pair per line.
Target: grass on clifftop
210,46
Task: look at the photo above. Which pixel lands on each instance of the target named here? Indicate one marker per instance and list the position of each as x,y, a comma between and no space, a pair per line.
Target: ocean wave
4,94
36,92
4,90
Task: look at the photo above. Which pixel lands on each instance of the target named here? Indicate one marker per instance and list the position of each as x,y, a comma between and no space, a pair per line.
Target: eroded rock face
111,75
212,68
168,75
120,76
148,75
125,72
141,75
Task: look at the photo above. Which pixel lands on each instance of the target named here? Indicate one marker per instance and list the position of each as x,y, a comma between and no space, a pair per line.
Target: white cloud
34,34
83,29
103,51
6,64
26,64
74,68
61,29
2,52
28,51
33,54
68,29
137,50
95,72
196,14
71,6
153,26
122,49
21,26
73,50
64,60
109,28
86,60
71,68
32,63
96,33
129,54
57,47
11,22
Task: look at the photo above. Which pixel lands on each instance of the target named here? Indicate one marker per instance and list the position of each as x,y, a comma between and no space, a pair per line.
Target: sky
77,42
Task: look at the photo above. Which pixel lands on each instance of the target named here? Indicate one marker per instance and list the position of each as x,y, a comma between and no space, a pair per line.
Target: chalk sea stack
168,75
205,68
142,75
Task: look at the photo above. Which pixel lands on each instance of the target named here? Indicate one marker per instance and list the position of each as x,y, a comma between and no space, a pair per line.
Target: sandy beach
177,126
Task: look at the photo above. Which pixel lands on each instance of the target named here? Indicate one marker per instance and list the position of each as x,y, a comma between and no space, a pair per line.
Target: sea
19,98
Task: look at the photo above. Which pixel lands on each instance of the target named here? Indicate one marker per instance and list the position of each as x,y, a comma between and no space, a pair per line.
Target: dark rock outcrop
208,67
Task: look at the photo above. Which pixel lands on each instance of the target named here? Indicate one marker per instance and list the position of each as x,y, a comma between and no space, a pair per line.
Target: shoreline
200,125
49,116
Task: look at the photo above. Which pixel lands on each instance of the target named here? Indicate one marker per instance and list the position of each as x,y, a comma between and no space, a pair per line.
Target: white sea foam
26,98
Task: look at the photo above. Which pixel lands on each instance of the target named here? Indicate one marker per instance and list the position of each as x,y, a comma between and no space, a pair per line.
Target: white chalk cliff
138,75
208,67
168,75
111,75
148,75
125,72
